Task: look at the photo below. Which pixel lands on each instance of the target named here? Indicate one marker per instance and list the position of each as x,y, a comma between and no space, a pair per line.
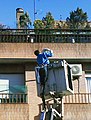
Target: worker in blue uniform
42,58
43,61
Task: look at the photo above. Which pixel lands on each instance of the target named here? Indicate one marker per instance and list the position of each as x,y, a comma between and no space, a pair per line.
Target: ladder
52,113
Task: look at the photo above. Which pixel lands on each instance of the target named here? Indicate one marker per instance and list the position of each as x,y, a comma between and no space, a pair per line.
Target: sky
60,9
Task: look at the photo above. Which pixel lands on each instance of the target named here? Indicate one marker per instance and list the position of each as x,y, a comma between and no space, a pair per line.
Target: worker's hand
46,49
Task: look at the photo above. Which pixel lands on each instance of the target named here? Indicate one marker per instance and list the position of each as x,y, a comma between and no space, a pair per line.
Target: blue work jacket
42,58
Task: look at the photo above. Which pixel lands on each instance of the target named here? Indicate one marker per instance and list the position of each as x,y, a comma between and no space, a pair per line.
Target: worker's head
36,52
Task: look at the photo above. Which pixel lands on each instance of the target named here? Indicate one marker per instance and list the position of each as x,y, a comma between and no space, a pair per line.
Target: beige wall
61,50
33,100
79,84
25,51
14,112
77,112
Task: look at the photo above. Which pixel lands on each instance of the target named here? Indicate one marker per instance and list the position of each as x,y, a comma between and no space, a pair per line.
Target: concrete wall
25,51
14,112
79,84
61,50
77,111
33,100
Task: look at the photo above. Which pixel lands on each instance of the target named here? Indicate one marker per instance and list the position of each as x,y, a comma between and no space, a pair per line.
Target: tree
25,21
48,21
77,19
38,24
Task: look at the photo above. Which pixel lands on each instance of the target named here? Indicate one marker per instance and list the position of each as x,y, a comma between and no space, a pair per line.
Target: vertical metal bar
34,10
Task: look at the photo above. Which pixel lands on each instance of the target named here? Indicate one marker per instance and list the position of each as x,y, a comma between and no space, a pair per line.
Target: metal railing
78,98
46,35
13,98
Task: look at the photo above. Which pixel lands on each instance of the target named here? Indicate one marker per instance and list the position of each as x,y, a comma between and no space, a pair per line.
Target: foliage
38,24
48,21
77,19
25,21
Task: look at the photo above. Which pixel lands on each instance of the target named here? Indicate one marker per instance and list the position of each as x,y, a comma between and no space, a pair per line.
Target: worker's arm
48,52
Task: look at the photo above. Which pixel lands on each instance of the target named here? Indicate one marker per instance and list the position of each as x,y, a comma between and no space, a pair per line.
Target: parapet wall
61,50
14,112
77,111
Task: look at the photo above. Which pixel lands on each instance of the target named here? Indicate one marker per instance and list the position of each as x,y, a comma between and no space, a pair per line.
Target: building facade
18,92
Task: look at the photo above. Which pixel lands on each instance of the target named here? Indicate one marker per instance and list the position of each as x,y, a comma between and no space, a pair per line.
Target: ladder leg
42,116
43,98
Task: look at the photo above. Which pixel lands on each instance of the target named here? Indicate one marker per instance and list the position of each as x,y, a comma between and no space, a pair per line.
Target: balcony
13,98
78,98
45,35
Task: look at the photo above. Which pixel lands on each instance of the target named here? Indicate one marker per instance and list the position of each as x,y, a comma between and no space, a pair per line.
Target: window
12,88
88,81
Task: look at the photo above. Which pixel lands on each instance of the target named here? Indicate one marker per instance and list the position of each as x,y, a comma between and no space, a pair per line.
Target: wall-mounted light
73,40
32,40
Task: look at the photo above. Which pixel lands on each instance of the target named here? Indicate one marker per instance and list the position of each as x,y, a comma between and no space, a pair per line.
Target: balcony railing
13,98
78,98
46,35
